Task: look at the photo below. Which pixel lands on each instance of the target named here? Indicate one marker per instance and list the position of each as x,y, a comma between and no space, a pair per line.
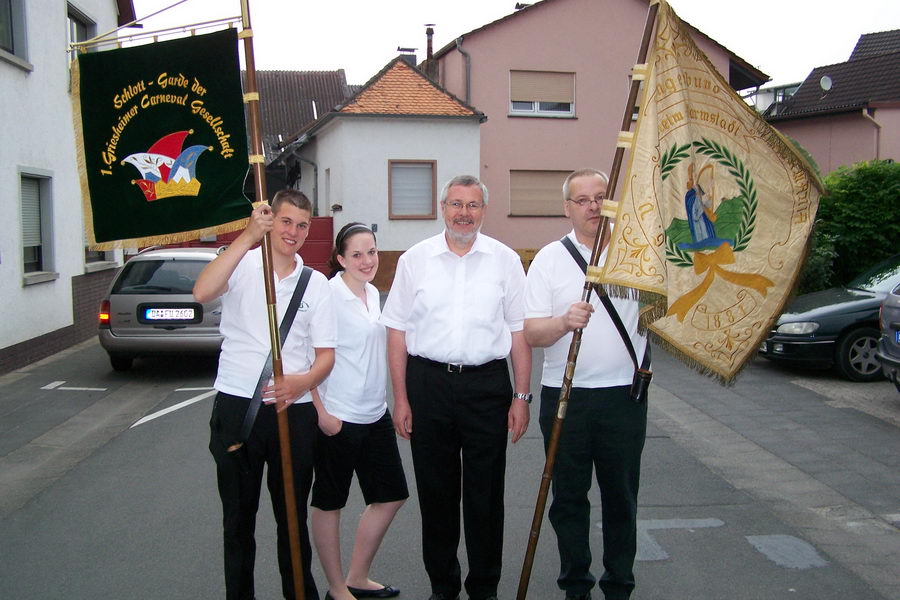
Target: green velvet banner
162,141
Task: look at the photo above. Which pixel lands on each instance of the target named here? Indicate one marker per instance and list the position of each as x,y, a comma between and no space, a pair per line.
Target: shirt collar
442,247
298,264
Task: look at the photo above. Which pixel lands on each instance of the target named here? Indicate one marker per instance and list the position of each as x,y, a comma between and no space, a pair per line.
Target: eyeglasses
584,200
457,206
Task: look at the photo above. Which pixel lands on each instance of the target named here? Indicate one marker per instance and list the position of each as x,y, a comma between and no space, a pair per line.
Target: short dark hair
295,198
340,243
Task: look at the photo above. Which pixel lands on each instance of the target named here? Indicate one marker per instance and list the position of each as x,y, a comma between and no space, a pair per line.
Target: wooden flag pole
257,161
575,346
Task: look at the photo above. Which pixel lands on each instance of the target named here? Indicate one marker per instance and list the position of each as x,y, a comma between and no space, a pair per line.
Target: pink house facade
553,80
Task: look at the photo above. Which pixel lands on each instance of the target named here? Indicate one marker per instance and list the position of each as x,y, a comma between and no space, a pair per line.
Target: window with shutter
32,239
536,193
412,189
541,94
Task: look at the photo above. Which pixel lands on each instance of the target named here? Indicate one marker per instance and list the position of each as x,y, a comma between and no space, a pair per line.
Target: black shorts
370,450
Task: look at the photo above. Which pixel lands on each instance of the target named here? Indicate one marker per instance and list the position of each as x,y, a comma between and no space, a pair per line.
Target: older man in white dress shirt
454,313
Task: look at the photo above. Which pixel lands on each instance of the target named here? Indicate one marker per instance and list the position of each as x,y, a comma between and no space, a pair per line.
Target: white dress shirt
356,388
555,282
457,309
246,330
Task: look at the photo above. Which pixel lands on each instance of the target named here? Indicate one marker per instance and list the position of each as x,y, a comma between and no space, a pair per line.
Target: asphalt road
786,485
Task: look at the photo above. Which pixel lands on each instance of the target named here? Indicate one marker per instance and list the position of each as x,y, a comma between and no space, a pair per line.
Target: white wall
36,113
355,151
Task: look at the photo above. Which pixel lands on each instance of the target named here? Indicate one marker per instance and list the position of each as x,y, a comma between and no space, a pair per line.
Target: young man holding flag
237,275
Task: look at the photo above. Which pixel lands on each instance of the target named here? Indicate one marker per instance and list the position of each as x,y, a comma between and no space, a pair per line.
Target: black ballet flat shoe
385,592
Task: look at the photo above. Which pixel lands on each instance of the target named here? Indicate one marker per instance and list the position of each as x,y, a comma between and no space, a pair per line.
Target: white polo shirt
457,309
356,388
555,282
246,331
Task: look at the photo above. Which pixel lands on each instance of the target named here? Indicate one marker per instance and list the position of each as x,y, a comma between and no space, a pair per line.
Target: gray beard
462,239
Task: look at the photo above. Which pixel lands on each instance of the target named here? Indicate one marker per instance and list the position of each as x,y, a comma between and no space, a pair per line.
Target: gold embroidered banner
715,211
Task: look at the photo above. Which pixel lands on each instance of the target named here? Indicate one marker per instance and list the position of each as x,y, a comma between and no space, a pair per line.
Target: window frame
17,53
537,107
45,271
400,217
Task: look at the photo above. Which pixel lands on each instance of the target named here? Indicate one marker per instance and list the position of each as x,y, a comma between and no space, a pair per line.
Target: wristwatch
526,397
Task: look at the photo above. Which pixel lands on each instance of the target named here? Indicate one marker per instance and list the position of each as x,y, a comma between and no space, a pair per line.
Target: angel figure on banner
701,215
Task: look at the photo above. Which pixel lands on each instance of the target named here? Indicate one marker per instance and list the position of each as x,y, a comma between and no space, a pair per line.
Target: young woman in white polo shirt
355,429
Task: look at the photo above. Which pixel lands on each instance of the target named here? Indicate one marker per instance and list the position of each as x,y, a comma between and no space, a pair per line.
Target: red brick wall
87,291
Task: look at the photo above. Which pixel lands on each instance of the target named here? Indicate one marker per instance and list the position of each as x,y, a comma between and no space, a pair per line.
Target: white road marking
787,551
174,407
58,385
194,389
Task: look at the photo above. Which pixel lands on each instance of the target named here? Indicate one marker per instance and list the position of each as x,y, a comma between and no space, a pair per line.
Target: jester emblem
167,170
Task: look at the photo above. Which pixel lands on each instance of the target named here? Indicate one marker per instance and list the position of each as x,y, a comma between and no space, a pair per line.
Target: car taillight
103,315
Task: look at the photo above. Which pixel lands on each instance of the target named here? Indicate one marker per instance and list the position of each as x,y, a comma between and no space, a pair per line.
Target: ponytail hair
340,244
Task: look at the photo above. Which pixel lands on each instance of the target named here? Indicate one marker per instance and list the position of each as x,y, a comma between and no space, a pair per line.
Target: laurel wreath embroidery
736,168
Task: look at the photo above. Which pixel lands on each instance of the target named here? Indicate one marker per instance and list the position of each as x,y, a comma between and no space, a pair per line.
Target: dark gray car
888,351
150,308
837,327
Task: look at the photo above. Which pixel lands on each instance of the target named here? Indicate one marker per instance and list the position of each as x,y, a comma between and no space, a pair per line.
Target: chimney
408,55
430,66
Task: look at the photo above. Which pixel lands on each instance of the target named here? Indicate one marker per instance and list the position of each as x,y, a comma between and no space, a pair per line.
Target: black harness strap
283,330
611,310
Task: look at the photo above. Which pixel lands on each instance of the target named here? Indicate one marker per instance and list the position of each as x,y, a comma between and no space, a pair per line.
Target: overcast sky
784,38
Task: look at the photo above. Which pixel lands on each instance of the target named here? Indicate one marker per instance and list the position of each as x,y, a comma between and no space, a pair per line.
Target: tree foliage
858,223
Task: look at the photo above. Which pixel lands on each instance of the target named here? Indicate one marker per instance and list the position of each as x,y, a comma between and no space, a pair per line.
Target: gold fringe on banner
79,155
171,238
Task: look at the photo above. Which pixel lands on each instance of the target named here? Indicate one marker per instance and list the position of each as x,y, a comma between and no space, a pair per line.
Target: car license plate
897,337
169,314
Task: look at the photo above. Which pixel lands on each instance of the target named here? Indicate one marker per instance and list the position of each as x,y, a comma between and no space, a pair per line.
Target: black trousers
459,431
603,432
240,486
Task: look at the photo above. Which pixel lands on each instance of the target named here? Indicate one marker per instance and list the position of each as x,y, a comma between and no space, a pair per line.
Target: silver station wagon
150,308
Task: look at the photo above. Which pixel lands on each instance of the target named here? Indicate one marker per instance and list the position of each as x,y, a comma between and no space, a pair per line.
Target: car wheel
120,363
855,358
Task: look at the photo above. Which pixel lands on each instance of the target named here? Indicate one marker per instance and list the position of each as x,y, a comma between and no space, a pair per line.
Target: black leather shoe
385,592
443,597
584,596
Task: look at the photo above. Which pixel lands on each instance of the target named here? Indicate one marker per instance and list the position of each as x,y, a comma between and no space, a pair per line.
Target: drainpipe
468,58
867,116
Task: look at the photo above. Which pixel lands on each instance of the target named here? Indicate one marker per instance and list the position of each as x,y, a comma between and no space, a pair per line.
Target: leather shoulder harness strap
283,330
611,310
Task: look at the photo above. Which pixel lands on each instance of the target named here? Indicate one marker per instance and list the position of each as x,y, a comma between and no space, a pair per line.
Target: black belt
457,368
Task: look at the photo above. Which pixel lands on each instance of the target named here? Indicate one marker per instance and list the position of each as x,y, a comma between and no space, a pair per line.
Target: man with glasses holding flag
454,313
604,428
